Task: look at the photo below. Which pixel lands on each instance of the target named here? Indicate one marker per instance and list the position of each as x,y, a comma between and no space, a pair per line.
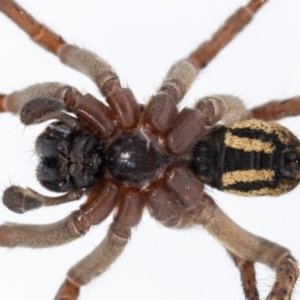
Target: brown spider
132,184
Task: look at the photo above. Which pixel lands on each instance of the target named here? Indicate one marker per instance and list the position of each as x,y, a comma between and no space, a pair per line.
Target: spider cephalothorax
126,157
136,159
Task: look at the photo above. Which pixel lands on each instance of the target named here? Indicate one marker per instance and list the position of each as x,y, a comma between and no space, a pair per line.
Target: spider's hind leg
225,108
251,248
247,276
277,109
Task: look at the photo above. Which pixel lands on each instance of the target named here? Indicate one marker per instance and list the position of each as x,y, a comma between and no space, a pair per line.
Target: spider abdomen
249,158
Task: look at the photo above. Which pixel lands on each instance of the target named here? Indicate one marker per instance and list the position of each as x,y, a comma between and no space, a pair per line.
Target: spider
43,110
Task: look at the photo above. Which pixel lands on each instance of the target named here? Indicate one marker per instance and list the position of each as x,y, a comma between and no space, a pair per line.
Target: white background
141,39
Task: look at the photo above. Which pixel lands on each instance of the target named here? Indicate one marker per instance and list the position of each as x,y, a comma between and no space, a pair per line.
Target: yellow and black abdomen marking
249,158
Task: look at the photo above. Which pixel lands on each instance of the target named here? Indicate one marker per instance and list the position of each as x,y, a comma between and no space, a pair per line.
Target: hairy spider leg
102,74
244,247
277,109
248,248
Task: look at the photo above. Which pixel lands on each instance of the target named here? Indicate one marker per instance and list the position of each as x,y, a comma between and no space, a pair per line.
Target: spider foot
287,274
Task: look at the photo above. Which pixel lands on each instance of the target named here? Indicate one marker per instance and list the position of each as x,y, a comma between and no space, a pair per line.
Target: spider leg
277,109
250,247
121,100
15,101
2,96
172,199
190,124
244,247
45,101
171,215
225,108
97,207
163,207
82,60
98,261
41,102
175,85
39,33
21,200
247,276
161,109
92,265
234,24
123,105
42,236
200,57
